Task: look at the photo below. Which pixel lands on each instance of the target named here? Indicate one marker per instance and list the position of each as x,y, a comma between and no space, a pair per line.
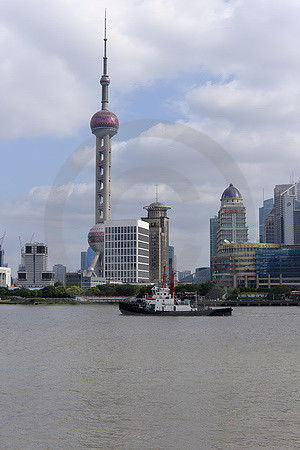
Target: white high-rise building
291,215
34,259
126,249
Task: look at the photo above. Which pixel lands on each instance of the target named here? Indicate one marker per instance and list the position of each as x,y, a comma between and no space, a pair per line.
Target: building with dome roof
232,218
158,240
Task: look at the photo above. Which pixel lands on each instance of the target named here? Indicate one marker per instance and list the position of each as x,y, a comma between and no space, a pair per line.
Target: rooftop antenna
156,193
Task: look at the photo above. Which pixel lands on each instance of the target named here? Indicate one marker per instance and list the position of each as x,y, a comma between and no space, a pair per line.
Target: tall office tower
291,215
158,240
278,219
213,230
269,236
83,262
264,212
232,218
104,125
59,273
35,258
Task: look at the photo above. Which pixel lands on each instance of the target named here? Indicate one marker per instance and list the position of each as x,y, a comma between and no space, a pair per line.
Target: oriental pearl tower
104,125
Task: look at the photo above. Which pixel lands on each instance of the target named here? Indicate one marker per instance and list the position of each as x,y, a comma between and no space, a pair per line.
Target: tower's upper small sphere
231,192
104,80
104,122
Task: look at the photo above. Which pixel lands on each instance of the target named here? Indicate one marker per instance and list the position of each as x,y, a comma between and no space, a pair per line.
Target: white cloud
236,64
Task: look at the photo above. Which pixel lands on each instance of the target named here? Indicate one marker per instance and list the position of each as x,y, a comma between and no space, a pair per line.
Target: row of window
123,259
120,237
125,229
120,251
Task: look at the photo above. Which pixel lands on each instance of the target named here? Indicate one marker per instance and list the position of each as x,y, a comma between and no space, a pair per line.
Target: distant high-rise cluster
282,223
275,259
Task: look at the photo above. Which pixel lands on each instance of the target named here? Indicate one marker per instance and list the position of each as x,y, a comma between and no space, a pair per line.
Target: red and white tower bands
104,125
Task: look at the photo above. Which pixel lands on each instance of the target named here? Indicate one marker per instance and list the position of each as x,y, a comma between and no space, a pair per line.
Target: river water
86,377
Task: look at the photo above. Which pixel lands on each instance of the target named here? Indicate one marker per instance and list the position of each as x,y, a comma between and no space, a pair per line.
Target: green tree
47,292
279,290
74,291
232,294
4,291
24,292
216,292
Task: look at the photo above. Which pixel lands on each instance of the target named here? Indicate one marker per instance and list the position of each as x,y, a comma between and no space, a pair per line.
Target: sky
206,96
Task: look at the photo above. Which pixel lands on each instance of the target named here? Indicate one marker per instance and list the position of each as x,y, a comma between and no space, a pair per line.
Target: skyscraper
83,262
264,212
278,209
232,218
269,236
127,251
104,125
158,240
213,230
291,215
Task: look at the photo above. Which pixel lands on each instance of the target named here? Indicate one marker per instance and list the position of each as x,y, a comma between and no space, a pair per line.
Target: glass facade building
281,266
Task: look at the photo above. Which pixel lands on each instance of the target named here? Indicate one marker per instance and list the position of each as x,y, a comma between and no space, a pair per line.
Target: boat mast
172,285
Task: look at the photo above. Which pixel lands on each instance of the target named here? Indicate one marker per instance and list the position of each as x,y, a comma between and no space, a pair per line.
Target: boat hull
137,309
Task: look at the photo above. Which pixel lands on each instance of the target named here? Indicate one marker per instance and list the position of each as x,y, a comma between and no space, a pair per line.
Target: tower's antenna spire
105,78
105,40
156,193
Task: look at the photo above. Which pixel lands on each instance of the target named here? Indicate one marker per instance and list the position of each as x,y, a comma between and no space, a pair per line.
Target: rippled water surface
87,377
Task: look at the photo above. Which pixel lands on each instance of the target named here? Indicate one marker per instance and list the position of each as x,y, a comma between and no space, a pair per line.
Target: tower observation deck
104,125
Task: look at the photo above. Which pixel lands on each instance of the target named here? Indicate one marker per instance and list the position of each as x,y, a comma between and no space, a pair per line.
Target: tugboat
163,302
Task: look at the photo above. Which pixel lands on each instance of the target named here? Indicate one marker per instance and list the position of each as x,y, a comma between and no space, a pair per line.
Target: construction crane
2,251
2,239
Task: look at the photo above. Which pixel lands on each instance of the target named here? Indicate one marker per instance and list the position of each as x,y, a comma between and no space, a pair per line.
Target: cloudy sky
206,95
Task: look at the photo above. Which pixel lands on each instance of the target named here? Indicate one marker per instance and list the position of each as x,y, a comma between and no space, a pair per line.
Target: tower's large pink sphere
104,121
